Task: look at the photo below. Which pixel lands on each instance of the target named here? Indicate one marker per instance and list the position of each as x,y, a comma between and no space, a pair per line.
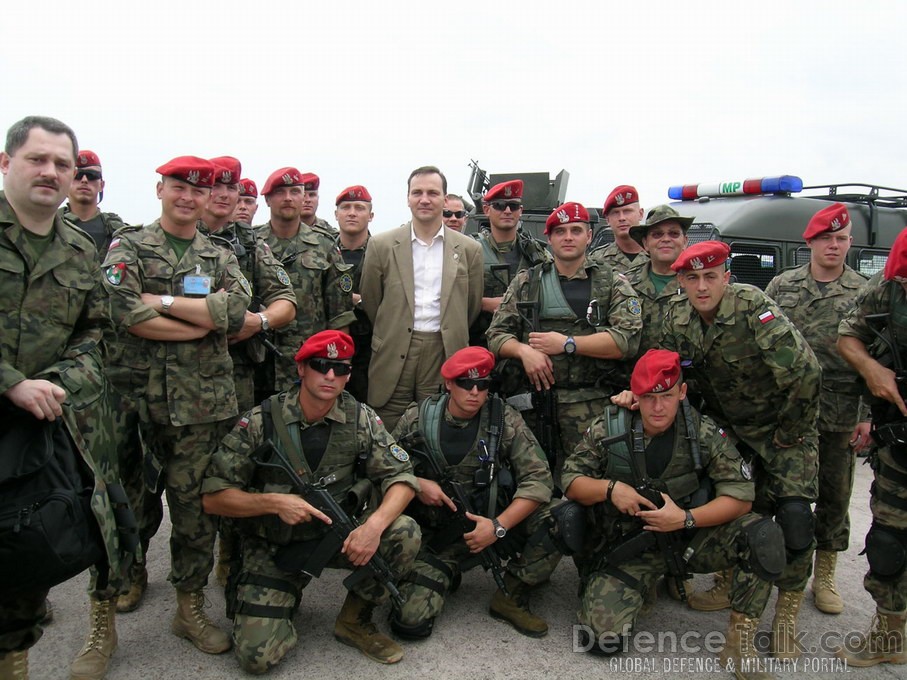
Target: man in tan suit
422,289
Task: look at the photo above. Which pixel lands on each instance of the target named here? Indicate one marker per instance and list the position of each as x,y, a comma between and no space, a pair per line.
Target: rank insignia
398,453
633,306
246,286
746,470
115,273
282,276
346,283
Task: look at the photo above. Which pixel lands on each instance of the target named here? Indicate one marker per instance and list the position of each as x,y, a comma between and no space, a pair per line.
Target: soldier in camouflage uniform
505,249
470,436
321,282
310,201
86,192
706,490
621,212
881,365
755,374
247,204
354,214
816,296
50,364
326,434
588,319
169,284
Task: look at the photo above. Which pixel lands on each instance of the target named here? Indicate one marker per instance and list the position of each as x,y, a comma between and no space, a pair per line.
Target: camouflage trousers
533,564
889,594
836,471
267,597
184,453
612,597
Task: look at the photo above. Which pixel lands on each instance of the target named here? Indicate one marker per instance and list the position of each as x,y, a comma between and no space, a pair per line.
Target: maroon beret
87,159
658,370
896,265
704,255
564,214
621,195
227,170
283,177
354,193
247,188
311,181
327,345
469,362
504,190
192,169
833,218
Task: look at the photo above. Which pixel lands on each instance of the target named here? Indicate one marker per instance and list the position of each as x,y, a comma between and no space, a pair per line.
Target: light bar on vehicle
748,187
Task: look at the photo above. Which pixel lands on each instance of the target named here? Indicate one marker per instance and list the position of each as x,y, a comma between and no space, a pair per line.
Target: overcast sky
645,93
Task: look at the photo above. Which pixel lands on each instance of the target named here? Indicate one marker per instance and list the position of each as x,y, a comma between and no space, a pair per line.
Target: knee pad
885,551
417,631
798,523
568,527
765,540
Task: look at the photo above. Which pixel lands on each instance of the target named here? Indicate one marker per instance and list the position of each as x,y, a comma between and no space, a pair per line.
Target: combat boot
14,665
824,590
515,608
91,663
138,583
191,622
884,643
739,654
715,598
354,627
784,626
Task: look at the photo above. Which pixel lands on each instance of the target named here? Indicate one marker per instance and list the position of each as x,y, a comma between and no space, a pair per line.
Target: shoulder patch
346,283
114,243
246,286
746,470
115,273
398,453
243,422
722,433
633,306
282,276
766,316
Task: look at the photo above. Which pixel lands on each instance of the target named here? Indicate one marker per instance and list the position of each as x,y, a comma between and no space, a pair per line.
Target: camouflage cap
657,215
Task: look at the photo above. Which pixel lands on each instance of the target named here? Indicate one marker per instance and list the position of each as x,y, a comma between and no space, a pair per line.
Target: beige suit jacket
388,295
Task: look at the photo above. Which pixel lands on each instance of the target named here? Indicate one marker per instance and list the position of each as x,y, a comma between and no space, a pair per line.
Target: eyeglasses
658,234
323,366
454,213
90,175
468,383
501,206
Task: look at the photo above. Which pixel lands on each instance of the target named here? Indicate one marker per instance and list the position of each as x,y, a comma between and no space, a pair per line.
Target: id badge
196,285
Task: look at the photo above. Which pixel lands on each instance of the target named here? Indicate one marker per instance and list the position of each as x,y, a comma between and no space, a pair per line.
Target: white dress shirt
428,261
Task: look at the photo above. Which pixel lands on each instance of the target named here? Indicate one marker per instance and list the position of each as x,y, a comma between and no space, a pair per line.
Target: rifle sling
288,440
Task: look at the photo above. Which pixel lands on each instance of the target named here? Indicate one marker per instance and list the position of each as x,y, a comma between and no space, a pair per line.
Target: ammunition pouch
886,551
309,557
766,546
568,527
798,522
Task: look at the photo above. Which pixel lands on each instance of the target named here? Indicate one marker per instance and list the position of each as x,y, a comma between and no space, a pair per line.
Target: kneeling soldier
667,490
331,444
478,461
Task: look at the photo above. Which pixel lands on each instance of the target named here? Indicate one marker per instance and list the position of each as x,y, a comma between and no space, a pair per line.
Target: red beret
327,345
284,177
658,370
833,218
469,362
704,255
354,193
87,158
621,195
564,214
192,169
311,181
247,188
227,170
896,265
511,189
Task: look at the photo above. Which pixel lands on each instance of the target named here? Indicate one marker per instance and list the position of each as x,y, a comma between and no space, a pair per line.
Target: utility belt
890,434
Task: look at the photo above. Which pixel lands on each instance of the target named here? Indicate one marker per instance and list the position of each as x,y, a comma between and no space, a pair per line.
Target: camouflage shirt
323,288
654,306
618,259
816,312
751,366
189,382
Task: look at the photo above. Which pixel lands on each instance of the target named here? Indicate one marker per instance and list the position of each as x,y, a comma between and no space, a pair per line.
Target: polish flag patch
765,317
243,422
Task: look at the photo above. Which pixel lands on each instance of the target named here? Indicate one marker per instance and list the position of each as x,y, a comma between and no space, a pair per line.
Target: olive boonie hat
657,215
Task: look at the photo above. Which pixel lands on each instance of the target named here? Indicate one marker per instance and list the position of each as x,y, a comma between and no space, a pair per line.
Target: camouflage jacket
751,366
816,313
323,288
616,258
354,258
189,382
578,378
654,305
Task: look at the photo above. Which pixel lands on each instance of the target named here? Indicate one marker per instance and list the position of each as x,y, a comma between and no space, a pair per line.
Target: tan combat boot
138,583
354,627
824,590
14,665
739,654
91,663
191,622
715,598
884,643
515,608
784,626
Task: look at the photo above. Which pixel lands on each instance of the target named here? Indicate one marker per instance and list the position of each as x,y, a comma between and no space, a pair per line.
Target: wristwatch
499,531
570,345
690,521
166,302
264,321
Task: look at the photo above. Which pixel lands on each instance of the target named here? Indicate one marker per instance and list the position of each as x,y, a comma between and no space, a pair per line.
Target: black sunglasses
325,365
468,383
91,175
454,213
501,206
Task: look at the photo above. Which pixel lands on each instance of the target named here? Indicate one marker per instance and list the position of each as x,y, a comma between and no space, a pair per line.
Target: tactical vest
337,471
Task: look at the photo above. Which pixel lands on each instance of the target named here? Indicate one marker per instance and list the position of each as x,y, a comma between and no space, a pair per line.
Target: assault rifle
459,494
312,557
888,424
